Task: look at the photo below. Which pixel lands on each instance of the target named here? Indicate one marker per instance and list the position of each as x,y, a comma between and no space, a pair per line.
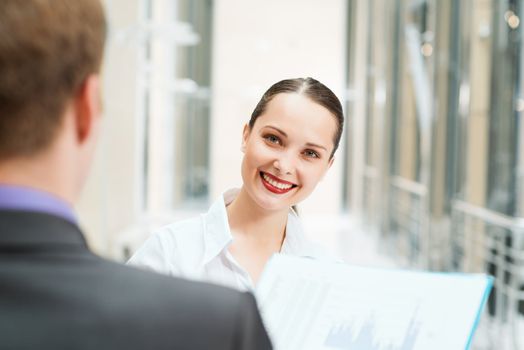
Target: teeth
276,184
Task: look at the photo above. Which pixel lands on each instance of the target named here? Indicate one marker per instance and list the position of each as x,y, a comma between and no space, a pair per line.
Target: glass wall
442,168
176,74
193,112
154,163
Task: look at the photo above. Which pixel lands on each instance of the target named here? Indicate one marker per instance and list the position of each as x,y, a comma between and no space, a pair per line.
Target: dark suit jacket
56,294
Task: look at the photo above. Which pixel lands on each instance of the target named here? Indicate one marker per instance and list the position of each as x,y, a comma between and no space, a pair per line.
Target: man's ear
245,136
88,107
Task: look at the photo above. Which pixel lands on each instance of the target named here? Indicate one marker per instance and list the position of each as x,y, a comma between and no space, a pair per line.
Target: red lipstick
275,189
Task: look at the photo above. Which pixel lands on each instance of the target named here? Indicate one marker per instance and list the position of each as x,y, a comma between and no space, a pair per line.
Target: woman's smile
276,185
287,151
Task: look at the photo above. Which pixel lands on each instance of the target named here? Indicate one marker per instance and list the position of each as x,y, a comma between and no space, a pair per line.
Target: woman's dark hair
311,88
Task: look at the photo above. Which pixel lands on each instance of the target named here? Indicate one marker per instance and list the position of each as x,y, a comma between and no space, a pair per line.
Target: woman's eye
272,139
311,154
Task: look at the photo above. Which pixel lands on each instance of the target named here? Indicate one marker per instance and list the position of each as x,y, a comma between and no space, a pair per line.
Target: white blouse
197,248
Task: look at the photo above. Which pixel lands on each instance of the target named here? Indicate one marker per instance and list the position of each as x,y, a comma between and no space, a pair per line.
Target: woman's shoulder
181,229
172,248
298,243
320,252
183,236
187,236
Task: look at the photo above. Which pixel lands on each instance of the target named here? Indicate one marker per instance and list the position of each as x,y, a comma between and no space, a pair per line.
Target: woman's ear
245,136
330,163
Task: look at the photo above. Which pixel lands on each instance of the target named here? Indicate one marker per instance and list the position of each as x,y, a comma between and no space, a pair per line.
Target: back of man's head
47,50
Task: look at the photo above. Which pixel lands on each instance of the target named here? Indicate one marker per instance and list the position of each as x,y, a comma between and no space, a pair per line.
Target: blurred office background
431,172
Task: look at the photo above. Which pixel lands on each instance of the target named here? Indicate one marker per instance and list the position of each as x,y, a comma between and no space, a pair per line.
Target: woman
288,146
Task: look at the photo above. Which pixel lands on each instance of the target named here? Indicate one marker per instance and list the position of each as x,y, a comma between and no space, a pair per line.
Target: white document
307,304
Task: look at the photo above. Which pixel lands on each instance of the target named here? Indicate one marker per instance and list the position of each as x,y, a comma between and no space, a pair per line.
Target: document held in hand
307,304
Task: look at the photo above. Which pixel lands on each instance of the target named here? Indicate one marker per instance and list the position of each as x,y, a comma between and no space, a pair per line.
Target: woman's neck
248,219
257,233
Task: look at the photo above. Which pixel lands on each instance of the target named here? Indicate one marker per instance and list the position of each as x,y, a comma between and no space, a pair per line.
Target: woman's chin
271,202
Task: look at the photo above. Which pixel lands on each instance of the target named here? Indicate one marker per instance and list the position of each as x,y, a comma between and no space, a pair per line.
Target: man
54,293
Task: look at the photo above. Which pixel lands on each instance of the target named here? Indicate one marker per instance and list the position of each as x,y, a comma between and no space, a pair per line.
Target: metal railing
475,240
407,221
489,242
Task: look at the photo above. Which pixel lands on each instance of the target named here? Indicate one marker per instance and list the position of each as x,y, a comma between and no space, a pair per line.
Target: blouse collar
218,237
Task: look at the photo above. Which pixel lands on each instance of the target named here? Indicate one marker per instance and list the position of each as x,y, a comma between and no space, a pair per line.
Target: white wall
109,198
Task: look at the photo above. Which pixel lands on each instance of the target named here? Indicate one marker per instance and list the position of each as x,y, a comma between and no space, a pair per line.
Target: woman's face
288,151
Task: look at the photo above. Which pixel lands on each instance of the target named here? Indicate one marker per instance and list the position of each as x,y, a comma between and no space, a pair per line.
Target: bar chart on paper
311,305
367,337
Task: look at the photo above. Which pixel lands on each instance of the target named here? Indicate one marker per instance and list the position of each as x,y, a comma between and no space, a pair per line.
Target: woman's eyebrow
277,129
309,144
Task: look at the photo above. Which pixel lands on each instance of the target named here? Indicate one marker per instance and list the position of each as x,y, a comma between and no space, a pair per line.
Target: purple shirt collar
30,199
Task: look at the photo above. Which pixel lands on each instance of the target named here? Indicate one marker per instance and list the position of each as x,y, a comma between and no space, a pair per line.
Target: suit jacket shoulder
56,294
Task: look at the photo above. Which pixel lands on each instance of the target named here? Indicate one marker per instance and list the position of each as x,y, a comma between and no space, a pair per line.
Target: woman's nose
284,164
